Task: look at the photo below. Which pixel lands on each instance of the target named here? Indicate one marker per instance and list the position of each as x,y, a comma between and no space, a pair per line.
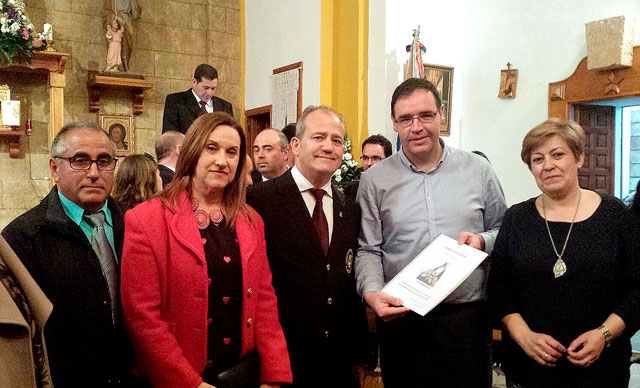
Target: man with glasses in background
425,189
375,149
71,244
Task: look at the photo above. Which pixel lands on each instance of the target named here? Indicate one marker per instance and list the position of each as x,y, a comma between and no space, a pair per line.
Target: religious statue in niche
114,52
123,12
508,82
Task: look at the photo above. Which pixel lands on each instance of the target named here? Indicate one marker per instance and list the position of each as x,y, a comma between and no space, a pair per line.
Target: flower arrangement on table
349,173
15,32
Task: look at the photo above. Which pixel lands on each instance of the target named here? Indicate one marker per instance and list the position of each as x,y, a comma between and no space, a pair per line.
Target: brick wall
170,39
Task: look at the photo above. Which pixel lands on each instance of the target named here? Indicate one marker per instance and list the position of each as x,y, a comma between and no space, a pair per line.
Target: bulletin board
286,95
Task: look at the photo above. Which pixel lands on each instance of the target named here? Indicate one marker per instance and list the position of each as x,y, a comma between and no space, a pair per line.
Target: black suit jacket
322,316
256,177
181,109
85,349
166,174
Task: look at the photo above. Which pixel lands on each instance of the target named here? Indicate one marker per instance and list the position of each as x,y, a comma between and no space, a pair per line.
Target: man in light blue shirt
407,200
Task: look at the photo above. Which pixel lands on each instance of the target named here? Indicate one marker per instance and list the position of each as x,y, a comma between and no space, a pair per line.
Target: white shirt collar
304,184
169,167
209,103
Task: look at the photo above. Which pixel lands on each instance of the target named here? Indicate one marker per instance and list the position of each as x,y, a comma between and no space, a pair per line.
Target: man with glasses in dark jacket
71,244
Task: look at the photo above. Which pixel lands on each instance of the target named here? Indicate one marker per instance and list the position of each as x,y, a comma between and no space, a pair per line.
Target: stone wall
170,39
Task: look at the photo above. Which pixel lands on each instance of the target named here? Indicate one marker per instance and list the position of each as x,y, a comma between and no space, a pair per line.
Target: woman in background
565,274
136,180
196,286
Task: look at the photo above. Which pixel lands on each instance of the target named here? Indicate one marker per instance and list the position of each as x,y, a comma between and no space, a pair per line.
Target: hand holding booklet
434,273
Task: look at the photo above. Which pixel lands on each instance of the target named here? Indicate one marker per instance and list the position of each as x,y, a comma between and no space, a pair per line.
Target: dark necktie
203,108
103,250
320,220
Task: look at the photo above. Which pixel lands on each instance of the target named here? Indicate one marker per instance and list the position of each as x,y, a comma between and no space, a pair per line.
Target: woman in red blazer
196,286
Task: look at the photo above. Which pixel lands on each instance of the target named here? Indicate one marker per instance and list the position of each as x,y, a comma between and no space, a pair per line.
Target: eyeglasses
79,162
374,159
423,118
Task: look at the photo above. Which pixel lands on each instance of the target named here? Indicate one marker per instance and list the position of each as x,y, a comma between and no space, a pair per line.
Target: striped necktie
203,107
108,264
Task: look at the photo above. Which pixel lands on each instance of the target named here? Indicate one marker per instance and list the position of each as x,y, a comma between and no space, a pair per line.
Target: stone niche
610,43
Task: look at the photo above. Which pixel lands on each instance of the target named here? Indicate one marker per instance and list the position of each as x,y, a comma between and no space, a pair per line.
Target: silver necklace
560,268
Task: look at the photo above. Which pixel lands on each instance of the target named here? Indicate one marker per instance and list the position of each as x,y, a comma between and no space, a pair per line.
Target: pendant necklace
560,268
203,219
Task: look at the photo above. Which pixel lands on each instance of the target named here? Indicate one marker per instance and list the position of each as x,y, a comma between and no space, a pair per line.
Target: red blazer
164,291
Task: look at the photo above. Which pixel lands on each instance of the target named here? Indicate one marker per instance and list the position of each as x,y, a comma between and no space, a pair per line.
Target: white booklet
434,273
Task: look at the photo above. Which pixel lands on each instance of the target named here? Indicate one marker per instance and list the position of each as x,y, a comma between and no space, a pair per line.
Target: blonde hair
194,142
568,130
135,180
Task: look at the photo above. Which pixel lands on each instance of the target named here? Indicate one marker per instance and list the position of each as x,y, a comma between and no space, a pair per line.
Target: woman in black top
565,275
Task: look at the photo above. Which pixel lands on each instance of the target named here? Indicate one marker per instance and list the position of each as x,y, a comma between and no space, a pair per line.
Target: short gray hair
300,125
59,145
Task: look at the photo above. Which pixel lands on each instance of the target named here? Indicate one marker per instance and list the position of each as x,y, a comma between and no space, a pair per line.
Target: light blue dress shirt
404,209
75,212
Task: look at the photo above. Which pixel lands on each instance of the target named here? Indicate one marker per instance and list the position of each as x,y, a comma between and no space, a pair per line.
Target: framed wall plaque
442,78
121,131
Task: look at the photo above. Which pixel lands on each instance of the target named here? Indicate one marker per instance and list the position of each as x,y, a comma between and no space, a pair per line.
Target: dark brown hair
205,71
381,141
197,135
411,85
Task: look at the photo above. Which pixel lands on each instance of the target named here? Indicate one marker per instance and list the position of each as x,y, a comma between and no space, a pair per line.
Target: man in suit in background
270,151
181,109
167,150
311,230
71,243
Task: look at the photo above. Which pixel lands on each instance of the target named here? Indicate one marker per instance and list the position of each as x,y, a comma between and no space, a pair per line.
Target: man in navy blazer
181,109
312,231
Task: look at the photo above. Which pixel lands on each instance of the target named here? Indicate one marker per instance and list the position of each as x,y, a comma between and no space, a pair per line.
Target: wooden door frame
248,114
594,85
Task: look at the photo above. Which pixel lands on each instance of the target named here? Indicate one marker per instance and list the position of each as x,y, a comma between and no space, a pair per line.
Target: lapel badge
348,262
340,214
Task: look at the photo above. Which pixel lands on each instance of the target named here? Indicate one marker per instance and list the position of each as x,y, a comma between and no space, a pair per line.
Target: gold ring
546,356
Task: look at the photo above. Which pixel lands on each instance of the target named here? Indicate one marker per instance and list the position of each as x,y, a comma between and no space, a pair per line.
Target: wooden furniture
14,138
53,64
98,82
593,85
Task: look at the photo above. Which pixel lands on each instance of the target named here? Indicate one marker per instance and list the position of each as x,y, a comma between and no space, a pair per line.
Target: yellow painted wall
343,80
